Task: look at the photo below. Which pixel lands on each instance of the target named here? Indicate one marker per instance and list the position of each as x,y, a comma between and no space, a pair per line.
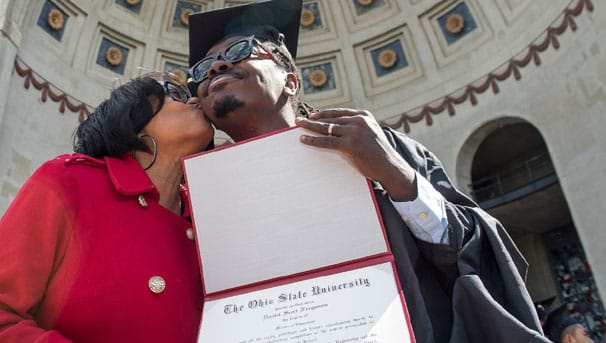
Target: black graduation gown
471,290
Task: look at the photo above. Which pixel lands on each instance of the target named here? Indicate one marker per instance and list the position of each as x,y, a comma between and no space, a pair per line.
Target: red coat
78,249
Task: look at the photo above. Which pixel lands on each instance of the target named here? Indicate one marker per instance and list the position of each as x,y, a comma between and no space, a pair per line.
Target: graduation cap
208,28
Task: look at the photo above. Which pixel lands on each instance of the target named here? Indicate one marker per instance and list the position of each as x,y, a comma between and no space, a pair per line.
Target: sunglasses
175,91
171,85
235,52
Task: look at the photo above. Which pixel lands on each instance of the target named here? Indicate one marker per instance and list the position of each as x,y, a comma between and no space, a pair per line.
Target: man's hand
357,136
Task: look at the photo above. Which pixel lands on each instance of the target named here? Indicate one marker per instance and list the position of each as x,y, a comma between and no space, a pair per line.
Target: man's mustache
235,73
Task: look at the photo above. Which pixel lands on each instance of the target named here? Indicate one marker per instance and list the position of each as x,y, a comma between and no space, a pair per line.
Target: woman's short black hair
113,127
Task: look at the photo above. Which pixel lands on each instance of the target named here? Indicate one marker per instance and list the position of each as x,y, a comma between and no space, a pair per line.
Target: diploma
283,228
359,305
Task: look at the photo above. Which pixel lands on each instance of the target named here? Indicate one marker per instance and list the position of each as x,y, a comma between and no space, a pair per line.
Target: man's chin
223,106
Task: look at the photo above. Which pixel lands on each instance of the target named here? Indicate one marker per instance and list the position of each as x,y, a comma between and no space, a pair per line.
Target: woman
96,246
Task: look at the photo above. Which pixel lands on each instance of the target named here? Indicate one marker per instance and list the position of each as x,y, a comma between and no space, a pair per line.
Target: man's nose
218,66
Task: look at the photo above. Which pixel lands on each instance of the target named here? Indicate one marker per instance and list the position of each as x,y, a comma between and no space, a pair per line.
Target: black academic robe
471,290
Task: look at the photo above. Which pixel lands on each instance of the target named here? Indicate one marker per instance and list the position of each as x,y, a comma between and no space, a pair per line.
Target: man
561,327
462,277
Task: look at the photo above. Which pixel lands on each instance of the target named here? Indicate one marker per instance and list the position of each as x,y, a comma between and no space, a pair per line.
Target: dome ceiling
402,59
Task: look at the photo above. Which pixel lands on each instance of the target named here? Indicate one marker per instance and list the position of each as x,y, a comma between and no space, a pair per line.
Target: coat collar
128,177
125,172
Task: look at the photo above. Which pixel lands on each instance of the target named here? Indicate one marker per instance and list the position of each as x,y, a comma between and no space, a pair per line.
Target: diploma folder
291,246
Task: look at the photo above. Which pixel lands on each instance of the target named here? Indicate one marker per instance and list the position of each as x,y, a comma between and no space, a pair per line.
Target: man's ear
567,338
291,86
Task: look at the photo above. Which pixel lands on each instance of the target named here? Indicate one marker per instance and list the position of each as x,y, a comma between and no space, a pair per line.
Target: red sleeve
34,232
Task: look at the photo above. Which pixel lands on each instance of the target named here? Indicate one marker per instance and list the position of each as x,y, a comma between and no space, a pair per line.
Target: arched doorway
510,175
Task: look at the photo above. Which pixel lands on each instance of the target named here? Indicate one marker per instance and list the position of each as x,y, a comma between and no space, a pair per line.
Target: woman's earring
155,148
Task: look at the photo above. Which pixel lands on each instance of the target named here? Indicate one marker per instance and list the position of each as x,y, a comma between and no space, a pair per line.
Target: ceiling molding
501,73
50,91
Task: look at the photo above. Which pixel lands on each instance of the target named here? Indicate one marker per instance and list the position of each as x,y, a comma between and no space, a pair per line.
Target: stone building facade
510,94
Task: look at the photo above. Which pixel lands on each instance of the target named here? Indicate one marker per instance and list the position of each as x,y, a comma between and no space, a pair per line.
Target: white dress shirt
426,215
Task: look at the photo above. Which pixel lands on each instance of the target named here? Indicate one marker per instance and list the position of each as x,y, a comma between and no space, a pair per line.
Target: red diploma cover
292,247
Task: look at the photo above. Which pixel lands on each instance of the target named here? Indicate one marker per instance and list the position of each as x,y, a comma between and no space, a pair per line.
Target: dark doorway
513,178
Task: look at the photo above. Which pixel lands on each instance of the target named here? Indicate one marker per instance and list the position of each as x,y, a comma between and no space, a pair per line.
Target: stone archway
508,170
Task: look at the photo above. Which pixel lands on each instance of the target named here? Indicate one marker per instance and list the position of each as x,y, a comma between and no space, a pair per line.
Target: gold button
156,284
422,216
142,201
405,218
190,233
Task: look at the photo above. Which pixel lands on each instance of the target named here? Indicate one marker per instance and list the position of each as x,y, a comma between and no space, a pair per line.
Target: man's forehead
223,43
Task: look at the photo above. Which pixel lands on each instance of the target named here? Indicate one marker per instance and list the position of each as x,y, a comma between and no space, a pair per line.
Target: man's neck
264,125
